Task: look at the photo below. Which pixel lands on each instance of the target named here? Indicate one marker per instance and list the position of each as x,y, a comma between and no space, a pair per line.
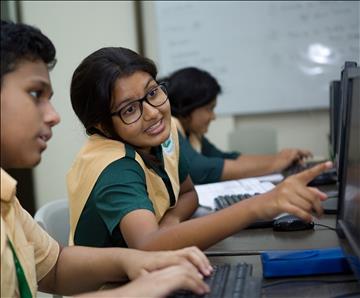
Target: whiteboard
267,56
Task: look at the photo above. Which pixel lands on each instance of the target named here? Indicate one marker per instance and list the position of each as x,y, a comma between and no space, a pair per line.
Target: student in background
129,185
193,97
30,258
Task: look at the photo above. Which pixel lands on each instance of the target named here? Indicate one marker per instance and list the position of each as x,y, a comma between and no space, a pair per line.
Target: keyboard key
222,202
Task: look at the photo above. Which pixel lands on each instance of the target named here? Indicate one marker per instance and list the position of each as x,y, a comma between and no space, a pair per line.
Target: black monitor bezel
347,241
334,116
342,120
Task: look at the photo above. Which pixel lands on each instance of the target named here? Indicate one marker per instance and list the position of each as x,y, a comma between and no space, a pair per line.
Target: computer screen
343,119
348,220
335,108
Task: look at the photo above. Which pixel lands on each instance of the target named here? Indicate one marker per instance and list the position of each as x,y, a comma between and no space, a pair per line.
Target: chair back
53,217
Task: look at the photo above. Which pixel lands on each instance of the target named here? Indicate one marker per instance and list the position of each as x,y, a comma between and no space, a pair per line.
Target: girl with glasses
130,185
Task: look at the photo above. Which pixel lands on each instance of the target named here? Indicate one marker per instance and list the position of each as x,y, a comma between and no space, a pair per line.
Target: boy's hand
160,283
140,262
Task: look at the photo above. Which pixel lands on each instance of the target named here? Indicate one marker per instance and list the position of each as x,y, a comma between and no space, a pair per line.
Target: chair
53,217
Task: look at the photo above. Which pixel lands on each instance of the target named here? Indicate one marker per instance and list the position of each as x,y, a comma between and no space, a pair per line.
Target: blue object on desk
304,262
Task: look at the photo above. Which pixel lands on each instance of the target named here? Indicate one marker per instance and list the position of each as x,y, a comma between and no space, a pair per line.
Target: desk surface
251,240
246,245
242,246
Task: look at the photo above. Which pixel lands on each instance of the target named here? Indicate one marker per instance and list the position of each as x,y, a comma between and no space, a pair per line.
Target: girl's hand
287,157
294,196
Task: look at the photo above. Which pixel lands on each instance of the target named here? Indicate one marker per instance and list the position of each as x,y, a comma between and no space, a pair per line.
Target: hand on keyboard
162,282
287,157
229,281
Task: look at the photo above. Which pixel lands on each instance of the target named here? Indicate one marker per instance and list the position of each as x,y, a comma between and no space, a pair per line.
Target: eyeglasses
134,110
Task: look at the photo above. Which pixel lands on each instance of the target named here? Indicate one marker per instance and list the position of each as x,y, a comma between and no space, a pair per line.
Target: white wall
77,28
308,130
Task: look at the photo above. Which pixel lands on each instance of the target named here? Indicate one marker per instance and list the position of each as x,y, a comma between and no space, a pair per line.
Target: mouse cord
325,226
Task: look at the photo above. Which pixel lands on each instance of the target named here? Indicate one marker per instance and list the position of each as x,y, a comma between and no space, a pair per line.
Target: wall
308,130
77,29
268,56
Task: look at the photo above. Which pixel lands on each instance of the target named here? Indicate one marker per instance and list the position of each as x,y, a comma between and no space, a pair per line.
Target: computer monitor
343,117
335,108
348,219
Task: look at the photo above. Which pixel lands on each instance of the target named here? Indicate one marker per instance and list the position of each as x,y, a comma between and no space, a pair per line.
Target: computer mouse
291,223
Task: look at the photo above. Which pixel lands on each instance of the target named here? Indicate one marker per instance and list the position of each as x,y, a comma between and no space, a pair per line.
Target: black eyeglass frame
141,100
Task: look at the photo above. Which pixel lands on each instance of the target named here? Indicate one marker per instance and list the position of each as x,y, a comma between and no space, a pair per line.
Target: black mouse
291,223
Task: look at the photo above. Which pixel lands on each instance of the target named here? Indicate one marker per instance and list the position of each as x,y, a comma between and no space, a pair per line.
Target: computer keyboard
222,202
230,281
327,177
298,167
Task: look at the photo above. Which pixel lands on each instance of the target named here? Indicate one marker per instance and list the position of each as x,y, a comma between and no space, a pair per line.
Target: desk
251,240
239,247
296,287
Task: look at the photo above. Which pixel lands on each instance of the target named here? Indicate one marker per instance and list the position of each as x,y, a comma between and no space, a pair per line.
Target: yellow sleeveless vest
193,139
98,153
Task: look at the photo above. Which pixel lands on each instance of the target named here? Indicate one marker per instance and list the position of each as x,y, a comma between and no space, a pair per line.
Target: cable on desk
352,294
278,283
325,226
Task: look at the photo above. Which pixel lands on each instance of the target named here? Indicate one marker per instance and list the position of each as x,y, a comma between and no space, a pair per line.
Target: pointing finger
310,174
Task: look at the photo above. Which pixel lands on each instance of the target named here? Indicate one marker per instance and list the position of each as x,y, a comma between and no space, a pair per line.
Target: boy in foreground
30,258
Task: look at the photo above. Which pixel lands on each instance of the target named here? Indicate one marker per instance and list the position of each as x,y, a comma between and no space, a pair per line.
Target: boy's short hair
21,42
190,88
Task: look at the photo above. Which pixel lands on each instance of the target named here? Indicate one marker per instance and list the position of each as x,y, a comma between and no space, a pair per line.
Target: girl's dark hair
190,88
21,42
93,83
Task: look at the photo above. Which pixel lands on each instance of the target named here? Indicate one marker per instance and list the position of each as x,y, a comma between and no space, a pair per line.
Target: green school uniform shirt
206,162
109,179
111,199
